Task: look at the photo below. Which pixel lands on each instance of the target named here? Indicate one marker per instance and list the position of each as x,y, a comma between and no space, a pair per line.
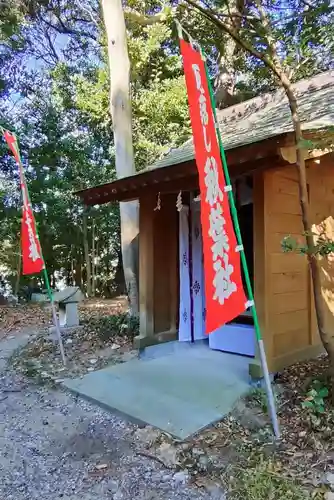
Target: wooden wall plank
165,265
146,258
291,281
286,302
291,341
174,265
285,223
261,275
274,244
287,262
281,203
321,178
289,320
283,185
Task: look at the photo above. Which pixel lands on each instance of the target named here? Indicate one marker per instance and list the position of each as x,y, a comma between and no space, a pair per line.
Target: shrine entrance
238,336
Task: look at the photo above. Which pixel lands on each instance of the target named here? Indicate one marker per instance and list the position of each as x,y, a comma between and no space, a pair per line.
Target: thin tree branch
305,61
62,28
89,13
51,45
148,20
237,14
308,4
245,45
268,34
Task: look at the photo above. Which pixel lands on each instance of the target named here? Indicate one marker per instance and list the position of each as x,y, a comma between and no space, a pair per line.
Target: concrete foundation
180,393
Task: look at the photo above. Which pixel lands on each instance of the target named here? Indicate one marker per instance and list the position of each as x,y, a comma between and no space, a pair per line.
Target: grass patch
258,397
30,369
263,481
112,326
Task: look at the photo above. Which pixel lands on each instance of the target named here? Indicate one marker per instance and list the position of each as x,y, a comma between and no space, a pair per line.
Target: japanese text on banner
32,260
225,297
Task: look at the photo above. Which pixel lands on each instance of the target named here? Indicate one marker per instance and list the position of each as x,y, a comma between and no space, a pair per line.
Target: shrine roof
249,123
267,116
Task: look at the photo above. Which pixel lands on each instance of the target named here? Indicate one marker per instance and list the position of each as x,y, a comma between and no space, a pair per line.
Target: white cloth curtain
185,305
197,272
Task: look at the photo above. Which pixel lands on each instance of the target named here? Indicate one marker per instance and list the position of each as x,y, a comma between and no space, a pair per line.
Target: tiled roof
268,116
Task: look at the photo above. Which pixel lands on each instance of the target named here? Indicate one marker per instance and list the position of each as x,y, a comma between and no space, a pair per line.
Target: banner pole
23,182
54,313
268,385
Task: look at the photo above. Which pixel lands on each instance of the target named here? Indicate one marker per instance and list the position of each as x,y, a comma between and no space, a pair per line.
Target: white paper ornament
179,204
158,207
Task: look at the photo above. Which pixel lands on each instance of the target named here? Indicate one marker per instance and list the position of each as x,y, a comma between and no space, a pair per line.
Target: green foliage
263,479
258,397
289,244
116,325
315,399
162,119
54,84
323,246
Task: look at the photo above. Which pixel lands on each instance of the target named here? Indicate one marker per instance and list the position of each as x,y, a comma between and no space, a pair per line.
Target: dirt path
53,446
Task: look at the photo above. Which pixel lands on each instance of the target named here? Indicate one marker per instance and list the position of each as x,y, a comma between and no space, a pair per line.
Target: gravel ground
54,446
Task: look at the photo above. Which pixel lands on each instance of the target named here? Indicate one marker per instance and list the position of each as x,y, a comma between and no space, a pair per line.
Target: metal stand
54,315
234,213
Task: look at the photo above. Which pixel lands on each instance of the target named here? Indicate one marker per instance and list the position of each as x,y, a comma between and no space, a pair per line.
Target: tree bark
96,267
327,338
226,79
93,258
78,269
86,254
120,108
119,281
18,270
68,274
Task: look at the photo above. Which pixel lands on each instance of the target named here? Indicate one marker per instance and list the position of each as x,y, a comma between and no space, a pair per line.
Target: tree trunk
93,258
78,269
97,283
120,108
18,271
327,338
86,254
119,277
226,78
68,274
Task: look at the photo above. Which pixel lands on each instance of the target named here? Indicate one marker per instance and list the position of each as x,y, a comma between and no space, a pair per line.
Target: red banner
224,293
12,144
32,260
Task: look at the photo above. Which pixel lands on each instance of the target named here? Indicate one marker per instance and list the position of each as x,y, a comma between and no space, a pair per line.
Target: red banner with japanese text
32,260
224,293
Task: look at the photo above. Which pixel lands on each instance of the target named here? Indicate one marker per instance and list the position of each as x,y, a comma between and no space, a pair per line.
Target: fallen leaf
101,466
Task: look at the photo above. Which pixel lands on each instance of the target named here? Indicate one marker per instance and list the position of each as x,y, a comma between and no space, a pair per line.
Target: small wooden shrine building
258,138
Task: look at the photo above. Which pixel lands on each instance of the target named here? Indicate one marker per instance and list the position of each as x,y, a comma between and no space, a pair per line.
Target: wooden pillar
146,276
165,270
260,271
174,267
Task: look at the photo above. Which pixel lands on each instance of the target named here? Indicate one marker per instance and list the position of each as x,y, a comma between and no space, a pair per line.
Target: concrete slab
180,393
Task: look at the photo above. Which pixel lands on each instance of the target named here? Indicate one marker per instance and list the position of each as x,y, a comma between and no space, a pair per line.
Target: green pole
234,213
45,274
